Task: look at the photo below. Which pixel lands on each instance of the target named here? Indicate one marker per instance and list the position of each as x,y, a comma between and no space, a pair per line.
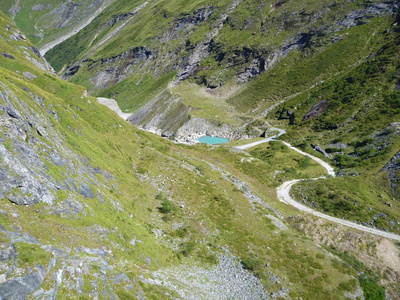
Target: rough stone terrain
227,280
23,172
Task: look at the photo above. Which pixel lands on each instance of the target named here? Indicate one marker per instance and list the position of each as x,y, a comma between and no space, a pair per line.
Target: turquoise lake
212,140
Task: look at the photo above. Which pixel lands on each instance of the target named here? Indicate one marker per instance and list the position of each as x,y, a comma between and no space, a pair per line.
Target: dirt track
283,191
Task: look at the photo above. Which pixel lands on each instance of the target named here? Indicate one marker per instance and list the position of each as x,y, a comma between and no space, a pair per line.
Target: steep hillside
228,62
91,207
47,21
328,72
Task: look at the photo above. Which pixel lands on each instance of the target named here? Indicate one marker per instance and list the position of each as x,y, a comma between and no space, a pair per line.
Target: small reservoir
212,140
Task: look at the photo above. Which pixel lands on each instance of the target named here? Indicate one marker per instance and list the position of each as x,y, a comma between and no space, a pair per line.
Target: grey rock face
196,18
20,185
163,114
316,110
393,168
69,12
20,288
86,191
320,150
120,278
17,237
115,69
39,7
7,252
25,155
202,50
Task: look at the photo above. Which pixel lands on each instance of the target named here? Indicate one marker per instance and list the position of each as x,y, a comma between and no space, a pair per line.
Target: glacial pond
212,140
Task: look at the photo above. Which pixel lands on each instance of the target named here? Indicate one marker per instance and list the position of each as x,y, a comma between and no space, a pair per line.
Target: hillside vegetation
93,207
135,50
328,72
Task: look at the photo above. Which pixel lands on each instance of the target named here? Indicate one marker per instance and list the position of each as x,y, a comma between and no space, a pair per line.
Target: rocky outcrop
196,18
21,287
393,168
185,23
38,60
201,51
21,165
12,287
118,18
40,7
67,13
316,110
113,70
66,269
7,252
26,157
319,149
8,55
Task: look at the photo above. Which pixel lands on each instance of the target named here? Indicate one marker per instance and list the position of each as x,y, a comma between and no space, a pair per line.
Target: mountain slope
90,205
135,51
46,21
128,214
327,72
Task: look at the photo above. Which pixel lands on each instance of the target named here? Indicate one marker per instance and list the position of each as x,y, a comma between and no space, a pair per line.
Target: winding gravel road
283,191
269,139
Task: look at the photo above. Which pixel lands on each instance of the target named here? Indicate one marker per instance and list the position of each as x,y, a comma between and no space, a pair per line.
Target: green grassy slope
177,208
299,53
321,38
359,130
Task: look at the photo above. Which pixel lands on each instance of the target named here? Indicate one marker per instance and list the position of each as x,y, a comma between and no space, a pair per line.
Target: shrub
372,290
249,263
167,207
